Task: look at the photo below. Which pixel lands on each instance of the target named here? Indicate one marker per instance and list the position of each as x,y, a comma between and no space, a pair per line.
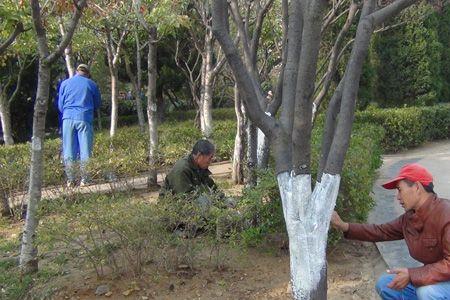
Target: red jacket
427,234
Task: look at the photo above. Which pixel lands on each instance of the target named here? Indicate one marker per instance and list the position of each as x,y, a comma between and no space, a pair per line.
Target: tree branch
81,4
17,30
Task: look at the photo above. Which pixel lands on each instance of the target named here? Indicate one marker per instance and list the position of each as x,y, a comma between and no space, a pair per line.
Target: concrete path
220,169
435,157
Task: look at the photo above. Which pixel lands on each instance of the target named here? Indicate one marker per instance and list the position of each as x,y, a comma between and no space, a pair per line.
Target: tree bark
113,52
237,172
139,108
5,117
67,51
152,106
28,254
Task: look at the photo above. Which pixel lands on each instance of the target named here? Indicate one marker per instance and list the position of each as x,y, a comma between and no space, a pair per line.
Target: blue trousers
78,138
437,291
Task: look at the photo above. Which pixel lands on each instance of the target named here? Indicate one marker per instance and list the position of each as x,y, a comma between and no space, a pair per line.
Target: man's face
407,195
203,161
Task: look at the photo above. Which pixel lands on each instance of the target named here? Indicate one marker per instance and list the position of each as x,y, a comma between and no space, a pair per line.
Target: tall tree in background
28,253
202,66
158,18
136,77
307,211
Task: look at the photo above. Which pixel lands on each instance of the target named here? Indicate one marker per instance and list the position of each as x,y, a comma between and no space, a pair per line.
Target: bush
104,231
409,127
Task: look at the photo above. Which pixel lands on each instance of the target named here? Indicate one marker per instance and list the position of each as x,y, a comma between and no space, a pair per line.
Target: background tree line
415,71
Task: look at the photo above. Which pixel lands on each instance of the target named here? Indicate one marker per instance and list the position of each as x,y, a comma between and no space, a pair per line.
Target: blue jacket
79,97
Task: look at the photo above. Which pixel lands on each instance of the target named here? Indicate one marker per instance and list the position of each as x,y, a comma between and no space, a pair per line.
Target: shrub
113,232
409,127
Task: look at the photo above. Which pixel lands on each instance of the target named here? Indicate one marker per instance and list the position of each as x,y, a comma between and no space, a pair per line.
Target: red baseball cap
411,172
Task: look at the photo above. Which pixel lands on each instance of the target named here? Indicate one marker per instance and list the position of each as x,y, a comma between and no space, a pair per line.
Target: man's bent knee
381,285
430,292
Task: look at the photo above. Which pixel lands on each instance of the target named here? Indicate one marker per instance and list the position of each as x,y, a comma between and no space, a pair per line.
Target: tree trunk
28,253
237,173
114,101
152,106
5,117
307,218
252,154
139,108
263,149
207,90
5,209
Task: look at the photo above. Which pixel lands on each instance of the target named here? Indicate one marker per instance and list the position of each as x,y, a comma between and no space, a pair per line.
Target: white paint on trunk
114,104
307,217
5,118
36,143
263,144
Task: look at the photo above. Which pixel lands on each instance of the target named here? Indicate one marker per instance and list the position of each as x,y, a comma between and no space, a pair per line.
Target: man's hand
400,280
337,222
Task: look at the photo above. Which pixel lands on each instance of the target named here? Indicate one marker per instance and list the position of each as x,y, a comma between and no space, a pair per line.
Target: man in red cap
425,226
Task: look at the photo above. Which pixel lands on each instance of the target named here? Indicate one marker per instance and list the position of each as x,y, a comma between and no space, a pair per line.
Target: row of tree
308,53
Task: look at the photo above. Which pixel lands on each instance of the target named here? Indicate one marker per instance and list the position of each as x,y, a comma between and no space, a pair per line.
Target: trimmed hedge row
409,127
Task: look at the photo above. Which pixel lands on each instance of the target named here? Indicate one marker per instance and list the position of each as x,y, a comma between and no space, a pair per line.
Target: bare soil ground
353,269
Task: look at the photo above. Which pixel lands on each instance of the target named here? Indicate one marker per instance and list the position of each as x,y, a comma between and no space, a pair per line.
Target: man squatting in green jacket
191,172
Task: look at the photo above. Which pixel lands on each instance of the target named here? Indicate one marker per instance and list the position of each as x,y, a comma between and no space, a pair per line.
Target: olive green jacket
185,177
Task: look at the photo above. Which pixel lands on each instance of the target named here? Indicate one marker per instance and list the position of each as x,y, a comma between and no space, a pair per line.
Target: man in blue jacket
79,97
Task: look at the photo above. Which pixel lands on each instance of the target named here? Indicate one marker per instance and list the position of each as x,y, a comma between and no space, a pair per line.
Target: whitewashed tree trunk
307,217
114,102
5,117
307,214
152,106
237,170
113,51
252,152
207,91
263,149
6,99
28,253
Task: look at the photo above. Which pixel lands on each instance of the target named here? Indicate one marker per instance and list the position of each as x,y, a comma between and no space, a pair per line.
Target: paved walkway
220,169
435,157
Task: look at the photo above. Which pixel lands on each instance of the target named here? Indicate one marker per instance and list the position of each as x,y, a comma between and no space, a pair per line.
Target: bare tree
307,211
28,253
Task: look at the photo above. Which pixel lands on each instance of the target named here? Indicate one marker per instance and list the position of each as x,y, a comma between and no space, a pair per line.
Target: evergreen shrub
409,127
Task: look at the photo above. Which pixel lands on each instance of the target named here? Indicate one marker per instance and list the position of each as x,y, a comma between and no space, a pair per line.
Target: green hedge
124,155
409,127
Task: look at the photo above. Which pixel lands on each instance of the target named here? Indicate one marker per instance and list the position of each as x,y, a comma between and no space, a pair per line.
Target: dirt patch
353,269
